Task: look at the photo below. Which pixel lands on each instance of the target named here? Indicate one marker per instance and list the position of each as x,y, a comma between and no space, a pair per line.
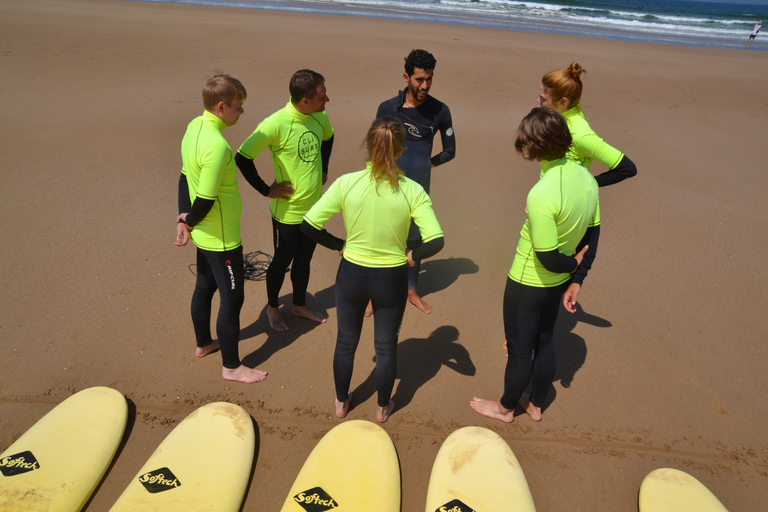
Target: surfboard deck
475,470
354,468
672,490
56,465
203,464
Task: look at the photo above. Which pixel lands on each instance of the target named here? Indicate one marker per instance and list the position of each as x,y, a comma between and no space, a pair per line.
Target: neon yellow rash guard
587,145
560,208
294,139
211,173
376,217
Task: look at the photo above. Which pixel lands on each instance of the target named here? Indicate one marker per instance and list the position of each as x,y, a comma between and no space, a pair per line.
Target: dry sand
663,366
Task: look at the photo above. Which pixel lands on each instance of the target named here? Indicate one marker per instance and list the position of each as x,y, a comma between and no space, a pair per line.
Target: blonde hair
222,88
385,141
565,83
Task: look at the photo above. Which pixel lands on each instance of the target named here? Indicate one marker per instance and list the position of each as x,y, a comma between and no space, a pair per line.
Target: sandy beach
662,366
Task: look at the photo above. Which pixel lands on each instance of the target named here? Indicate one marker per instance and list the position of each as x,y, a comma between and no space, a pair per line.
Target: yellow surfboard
56,464
672,490
354,468
475,470
203,464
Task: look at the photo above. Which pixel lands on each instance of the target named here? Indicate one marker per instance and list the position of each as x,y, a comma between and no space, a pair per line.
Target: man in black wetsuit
423,116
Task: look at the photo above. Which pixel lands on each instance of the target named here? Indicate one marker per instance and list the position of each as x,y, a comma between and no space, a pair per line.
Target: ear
563,101
405,77
220,107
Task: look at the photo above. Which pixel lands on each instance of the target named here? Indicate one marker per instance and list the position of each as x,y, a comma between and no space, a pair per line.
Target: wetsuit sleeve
321,236
447,137
625,169
184,202
557,262
428,249
325,153
251,175
591,237
199,210
592,145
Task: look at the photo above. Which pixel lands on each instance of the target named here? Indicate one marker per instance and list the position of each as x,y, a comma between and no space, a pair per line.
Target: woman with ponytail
561,91
378,204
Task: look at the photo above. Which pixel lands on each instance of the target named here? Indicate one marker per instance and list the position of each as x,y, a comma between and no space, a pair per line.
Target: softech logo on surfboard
159,480
22,462
454,506
315,500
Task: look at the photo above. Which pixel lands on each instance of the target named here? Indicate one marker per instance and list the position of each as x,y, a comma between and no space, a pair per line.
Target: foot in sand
304,312
491,409
243,374
414,299
342,408
369,309
276,319
204,351
382,413
533,411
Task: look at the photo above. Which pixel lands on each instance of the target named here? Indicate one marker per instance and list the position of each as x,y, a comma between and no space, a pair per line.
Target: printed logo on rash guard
309,147
17,464
454,506
315,500
159,480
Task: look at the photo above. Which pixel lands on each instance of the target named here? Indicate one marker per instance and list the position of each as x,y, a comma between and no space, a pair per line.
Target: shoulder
389,105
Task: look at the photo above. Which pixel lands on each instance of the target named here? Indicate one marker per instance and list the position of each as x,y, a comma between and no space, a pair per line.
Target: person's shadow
276,341
571,348
437,275
418,361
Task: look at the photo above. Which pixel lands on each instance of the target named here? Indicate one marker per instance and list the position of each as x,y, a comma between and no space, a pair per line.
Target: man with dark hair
423,116
300,138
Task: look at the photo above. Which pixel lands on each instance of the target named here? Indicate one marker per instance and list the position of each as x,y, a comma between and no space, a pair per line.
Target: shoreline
487,21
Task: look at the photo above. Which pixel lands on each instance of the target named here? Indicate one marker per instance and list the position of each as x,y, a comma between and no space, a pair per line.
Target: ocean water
684,22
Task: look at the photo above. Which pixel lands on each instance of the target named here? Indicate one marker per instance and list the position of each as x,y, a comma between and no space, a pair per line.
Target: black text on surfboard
159,480
454,506
18,464
315,500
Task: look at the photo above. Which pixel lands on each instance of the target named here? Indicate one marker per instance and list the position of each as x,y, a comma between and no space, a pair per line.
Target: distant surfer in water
379,205
752,36
556,248
560,90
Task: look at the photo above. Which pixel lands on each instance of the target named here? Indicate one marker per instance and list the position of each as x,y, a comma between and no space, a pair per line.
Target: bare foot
369,309
304,312
342,408
276,319
382,413
414,299
243,374
491,409
204,351
533,411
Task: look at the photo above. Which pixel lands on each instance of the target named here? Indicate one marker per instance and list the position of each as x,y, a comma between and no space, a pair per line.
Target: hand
182,231
341,252
579,257
411,262
570,296
325,177
281,190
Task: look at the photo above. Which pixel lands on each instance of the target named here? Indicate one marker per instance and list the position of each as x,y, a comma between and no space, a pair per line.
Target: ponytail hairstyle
565,83
385,141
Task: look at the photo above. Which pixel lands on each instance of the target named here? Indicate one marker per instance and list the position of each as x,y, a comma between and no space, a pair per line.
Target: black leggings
291,245
529,322
221,271
387,289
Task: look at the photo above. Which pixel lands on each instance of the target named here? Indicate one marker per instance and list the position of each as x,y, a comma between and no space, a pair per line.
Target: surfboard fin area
672,490
58,462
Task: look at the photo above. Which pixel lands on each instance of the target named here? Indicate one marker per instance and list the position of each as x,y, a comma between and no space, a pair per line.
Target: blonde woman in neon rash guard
561,91
378,204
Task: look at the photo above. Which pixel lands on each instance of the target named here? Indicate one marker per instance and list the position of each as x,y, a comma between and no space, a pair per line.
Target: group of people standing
389,222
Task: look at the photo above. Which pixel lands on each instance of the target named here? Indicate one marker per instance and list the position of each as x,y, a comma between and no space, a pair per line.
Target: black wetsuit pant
529,322
221,271
291,246
387,289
